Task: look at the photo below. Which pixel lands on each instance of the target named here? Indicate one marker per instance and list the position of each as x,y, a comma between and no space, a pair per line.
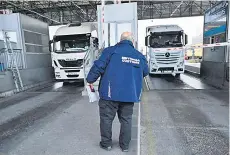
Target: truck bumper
167,70
69,74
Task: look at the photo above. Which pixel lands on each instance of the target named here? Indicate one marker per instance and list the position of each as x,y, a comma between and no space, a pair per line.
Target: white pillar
103,20
228,20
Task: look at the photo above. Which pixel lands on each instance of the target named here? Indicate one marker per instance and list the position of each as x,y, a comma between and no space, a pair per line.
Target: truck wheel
177,75
65,83
151,75
81,84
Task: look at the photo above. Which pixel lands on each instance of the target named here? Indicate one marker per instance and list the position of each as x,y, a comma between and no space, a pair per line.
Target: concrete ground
184,82
181,117
192,67
55,120
193,64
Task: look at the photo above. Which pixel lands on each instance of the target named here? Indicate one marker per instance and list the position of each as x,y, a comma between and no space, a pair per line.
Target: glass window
220,38
166,40
206,41
35,42
73,43
32,38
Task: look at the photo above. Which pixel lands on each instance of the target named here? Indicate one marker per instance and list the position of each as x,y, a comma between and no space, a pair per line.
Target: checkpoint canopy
118,18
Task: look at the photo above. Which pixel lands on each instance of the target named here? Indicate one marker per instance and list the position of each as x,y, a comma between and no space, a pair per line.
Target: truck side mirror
146,41
95,42
50,45
186,39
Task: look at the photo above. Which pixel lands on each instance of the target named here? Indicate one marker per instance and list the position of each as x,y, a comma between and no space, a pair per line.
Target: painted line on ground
139,129
149,129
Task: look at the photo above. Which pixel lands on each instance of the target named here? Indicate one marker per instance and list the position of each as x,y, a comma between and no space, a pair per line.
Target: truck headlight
57,73
152,55
55,63
153,64
181,63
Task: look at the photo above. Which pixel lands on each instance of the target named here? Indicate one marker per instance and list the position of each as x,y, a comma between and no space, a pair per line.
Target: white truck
68,47
165,49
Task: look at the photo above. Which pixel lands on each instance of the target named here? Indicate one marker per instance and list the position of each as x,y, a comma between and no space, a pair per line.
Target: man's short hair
126,36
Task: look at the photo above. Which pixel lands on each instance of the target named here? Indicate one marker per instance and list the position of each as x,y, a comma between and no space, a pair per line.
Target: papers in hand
92,93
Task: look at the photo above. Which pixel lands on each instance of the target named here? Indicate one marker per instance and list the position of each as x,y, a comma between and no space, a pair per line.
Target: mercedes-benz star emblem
167,54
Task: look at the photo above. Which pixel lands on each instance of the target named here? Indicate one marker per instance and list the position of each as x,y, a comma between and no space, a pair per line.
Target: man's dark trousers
108,110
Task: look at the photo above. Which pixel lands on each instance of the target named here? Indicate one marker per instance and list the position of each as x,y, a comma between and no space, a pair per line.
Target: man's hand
91,87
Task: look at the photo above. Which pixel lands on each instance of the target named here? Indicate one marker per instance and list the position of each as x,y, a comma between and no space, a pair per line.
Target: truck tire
177,75
65,83
81,84
151,75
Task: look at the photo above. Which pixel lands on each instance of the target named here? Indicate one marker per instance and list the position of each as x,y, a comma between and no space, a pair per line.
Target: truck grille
77,63
172,59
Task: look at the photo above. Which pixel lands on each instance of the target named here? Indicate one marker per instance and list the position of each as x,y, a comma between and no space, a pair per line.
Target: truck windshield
71,43
164,40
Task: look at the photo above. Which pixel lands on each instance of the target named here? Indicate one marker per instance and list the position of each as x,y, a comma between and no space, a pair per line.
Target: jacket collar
126,42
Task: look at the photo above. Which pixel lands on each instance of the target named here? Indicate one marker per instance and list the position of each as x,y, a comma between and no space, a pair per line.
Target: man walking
122,69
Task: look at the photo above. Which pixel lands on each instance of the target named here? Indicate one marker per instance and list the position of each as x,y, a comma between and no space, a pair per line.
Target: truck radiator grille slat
167,62
76,63
165,59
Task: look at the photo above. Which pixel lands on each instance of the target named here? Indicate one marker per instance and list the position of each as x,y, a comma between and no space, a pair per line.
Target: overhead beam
33,12
177,8
62,11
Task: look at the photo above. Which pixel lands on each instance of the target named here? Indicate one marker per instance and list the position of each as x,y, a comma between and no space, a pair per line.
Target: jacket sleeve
99,66
145,66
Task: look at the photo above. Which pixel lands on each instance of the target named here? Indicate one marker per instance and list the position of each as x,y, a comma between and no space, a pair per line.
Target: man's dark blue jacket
122,69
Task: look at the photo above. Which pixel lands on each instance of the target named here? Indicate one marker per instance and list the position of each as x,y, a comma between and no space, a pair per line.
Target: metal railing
6,59
86,65
91,55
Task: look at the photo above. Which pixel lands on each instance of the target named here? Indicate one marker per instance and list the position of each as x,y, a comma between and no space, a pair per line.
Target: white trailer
165,49
70,44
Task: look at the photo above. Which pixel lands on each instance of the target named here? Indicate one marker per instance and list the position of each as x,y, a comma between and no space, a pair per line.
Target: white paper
93,96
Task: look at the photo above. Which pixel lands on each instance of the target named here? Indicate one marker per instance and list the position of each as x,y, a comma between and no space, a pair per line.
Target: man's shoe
124,150
106,148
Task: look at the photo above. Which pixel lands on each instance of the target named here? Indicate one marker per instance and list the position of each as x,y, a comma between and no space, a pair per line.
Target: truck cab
165,49
68,47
